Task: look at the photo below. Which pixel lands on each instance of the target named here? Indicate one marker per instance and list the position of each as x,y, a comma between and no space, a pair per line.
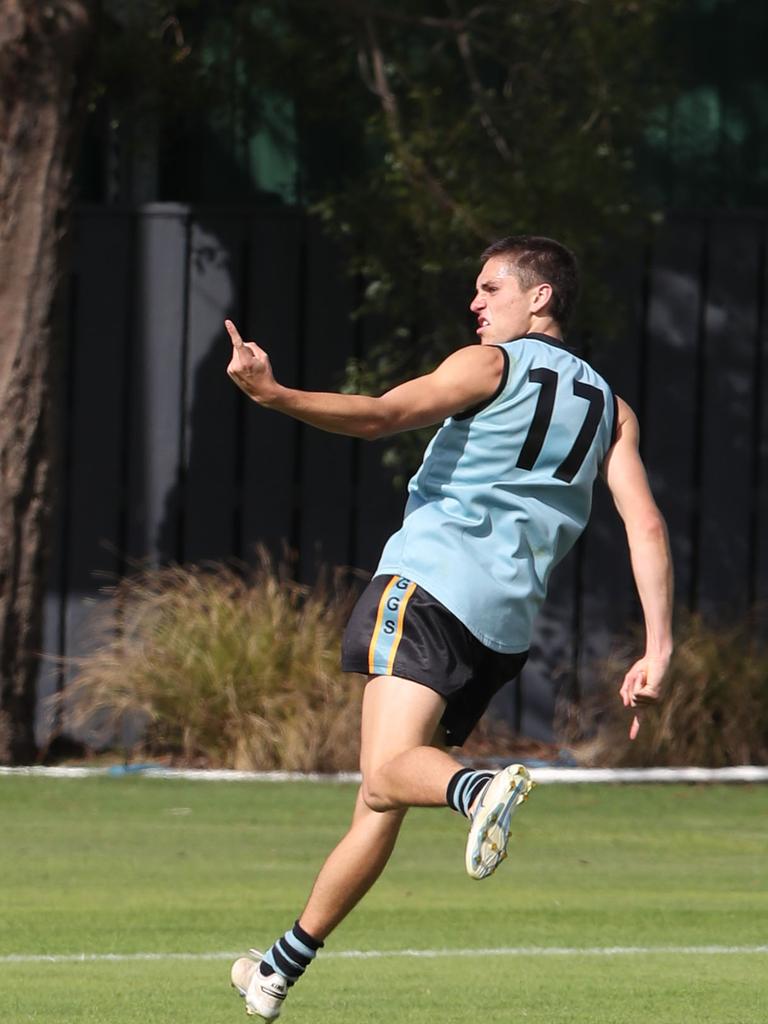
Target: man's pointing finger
234,334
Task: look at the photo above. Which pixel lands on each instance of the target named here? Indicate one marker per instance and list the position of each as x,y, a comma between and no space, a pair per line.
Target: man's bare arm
466,378
651,561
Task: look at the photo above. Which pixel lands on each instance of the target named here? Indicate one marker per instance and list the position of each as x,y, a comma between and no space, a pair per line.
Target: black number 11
537,432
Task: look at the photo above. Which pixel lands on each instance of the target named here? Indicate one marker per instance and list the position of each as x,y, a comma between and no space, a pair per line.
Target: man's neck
545,325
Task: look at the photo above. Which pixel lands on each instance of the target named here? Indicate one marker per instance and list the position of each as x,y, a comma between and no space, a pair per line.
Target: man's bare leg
351,868
400,769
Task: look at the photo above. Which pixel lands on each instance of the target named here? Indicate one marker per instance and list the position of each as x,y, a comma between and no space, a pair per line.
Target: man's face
502,308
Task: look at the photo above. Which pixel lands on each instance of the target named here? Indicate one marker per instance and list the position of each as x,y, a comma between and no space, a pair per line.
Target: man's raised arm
466,378
651,562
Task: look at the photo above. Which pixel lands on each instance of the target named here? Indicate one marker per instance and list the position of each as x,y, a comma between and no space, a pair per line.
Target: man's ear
541,294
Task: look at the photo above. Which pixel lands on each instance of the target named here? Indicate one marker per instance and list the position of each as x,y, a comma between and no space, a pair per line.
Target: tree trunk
43,51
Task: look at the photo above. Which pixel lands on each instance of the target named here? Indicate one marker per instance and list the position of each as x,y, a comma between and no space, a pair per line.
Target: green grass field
145,866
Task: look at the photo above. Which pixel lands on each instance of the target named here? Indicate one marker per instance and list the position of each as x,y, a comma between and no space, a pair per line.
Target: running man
503,492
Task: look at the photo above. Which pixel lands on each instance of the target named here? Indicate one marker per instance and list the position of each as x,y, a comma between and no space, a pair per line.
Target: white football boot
263,994
489,831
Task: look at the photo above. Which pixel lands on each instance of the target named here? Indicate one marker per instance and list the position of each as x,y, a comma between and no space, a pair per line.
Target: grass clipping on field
220,668
714,711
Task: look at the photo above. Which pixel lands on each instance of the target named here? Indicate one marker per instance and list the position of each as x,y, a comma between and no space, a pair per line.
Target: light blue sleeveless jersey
505,490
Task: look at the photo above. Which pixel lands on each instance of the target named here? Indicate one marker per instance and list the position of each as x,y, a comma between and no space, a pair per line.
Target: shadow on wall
165,460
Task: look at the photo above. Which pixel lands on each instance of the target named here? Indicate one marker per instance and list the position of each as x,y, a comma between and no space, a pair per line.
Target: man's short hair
539,260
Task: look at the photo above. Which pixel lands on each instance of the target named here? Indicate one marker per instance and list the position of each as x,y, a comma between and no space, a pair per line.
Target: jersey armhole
615,426
614,434
468,413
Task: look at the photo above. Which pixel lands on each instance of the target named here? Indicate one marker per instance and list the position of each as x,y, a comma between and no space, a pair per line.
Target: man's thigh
398,715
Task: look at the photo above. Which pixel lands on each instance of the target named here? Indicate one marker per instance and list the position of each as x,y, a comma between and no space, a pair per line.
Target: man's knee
375,794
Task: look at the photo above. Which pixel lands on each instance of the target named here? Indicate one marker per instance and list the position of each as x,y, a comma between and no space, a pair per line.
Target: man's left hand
249,367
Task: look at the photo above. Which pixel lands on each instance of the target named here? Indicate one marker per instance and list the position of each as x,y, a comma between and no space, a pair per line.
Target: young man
503,492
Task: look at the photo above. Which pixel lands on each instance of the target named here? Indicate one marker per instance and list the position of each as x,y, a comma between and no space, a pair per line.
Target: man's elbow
371,430
650,526
376,432
377,424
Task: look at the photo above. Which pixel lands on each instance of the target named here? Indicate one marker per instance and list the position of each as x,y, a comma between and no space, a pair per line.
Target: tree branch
414,165
465,51
367,12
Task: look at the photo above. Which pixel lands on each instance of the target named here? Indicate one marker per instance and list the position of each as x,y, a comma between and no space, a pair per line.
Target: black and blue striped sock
291,955
464,788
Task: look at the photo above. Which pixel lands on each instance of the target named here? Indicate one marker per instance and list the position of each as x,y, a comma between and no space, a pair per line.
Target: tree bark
44,50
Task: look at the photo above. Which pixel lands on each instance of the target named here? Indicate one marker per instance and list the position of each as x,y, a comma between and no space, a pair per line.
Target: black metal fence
165,461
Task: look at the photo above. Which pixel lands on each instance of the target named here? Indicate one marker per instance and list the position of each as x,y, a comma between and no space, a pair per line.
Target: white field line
382,954
543,776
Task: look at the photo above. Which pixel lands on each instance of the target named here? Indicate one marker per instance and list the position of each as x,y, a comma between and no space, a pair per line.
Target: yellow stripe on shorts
383,643
399,634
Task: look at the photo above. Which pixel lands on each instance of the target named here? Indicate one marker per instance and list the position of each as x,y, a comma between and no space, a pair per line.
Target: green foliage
221,669
416,130
481,121
421,131
714,712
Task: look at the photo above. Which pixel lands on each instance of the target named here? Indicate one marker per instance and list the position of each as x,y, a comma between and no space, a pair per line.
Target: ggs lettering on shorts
389,625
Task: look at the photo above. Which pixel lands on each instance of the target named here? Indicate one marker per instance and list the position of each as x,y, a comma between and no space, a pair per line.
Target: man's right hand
642,686
651,563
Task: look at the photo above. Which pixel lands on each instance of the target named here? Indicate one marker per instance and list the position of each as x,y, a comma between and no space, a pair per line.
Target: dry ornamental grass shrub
230,670
714,712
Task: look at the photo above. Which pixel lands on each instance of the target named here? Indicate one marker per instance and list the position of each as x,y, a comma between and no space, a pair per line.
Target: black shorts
398,629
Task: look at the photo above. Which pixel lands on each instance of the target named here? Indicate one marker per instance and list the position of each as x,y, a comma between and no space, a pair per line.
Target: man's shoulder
478,353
